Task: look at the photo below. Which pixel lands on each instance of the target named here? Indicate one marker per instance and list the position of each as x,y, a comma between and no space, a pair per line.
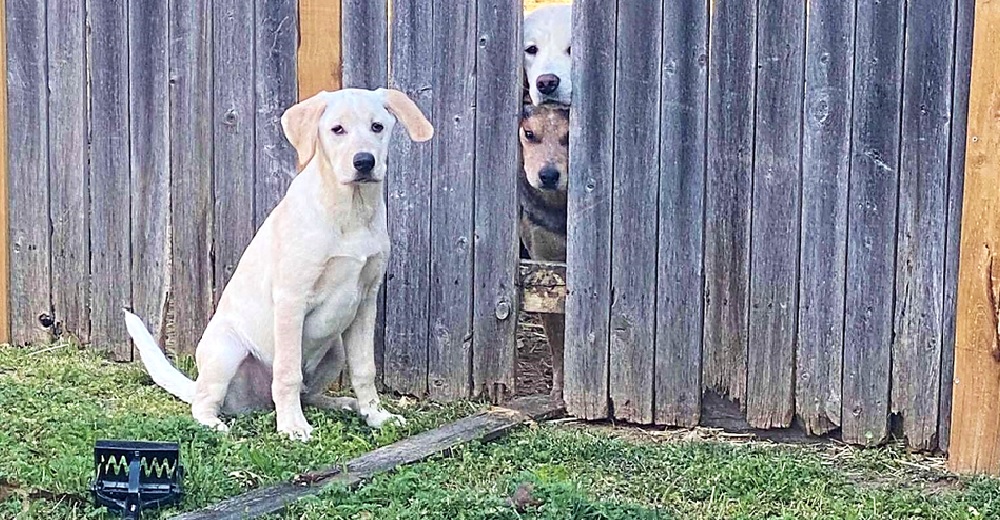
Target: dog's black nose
364,162
549,177
547,83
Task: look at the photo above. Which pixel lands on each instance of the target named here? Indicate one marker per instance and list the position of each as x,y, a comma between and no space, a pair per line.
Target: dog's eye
532,50
339,130
530,136
567,50
377,127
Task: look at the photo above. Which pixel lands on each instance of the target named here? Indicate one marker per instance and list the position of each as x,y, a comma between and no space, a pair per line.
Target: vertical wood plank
4,193
975,427
276,41
964,18
923,206
871,227
234,119
826,166
68,189
498,110
364,31
191,168
452,190
588,251
110,183
149,151
364,53
409,192
775,215
680,290
731,85
319,46
28,179
635,185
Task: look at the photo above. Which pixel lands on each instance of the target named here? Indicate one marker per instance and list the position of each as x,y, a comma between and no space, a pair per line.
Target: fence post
975,430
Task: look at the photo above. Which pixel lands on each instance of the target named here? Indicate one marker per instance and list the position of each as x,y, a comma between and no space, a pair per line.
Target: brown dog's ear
408,113
301,126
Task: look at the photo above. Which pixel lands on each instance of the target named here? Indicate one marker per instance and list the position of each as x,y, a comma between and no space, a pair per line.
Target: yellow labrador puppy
303,297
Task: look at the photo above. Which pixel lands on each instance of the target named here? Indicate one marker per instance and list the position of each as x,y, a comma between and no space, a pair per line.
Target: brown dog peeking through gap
542,182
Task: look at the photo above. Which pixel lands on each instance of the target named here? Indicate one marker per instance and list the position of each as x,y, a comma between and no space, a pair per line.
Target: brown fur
544,138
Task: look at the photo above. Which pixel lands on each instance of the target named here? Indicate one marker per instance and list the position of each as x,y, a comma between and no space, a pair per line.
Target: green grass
587,474
54,405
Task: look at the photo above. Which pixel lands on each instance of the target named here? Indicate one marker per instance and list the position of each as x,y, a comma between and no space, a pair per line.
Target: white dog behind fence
547,63
302,300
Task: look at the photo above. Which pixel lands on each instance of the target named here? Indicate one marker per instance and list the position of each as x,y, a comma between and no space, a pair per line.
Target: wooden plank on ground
276,41
543,286
634,222
28,174
727,196
923,207
975,426
149,152
826,166
191,168
234,124
453,83
485,426
4,193
365,64
588,251
871,226
319,46
498,111
680,286
110,179
409,182
964,18
775,215
68,189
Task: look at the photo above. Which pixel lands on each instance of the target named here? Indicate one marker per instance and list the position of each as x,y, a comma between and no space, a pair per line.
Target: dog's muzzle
549,177
364,164
547,83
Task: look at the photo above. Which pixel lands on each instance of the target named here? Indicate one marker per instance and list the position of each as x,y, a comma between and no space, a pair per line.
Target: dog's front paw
297,429
378,417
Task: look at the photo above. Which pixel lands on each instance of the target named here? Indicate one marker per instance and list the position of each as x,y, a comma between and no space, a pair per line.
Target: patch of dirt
533,372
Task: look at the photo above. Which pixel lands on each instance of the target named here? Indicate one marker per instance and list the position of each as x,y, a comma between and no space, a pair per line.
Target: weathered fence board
318,60
110,234
634,223
826,166
923,182
191,168
871,227
588,252
449,313
149,152
4,192
28,160
964,21
498,110
775,214
975,427
68,186
234,130
680,287
276,40
731,86
408,183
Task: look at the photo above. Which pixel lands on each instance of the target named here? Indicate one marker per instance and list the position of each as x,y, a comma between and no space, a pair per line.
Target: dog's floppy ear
301,126
408,113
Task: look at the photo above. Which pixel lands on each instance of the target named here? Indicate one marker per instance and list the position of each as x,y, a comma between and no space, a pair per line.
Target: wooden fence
765,199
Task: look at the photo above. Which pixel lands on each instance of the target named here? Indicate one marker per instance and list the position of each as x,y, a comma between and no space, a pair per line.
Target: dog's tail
159,367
